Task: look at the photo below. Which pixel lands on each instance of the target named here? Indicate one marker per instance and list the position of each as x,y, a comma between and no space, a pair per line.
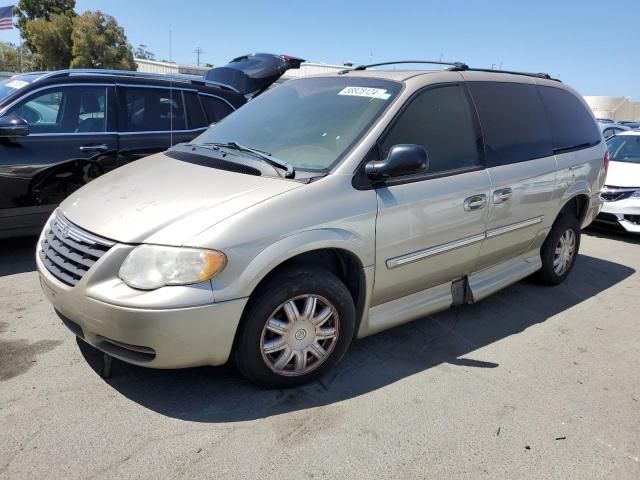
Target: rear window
153,110
571,123
513,120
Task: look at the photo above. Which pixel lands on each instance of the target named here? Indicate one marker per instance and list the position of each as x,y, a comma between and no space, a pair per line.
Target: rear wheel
297,326
559,251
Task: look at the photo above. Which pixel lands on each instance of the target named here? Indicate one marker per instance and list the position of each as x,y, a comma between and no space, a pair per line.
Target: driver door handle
475,202
94,148
502,195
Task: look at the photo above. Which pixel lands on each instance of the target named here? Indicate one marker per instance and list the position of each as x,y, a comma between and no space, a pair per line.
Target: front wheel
297,326
559,251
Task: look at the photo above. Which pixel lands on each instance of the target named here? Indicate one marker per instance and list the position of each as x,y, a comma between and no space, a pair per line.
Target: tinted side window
195,113
216,109
514,123
152,110
439,119
65,110
570,121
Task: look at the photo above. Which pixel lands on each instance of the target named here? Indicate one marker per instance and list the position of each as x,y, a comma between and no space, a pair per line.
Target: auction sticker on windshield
365,92
17,84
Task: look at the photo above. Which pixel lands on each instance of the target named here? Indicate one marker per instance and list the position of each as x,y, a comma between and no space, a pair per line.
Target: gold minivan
329,208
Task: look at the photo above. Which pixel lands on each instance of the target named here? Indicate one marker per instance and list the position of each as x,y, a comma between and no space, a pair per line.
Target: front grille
68,252
615,194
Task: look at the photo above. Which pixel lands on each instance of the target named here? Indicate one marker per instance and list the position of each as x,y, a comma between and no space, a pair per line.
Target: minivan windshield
309,123
624,148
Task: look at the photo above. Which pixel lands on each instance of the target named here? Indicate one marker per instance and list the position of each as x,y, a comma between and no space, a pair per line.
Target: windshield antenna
170,96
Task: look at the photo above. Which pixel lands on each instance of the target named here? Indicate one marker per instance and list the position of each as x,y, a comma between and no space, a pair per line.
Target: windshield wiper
267,157
574,147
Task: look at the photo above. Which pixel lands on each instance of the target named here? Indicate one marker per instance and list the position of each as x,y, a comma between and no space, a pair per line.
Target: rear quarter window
215,108
195,112
571,123
513,120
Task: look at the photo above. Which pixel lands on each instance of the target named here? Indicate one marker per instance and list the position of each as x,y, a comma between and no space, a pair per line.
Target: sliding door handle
502,195
475,202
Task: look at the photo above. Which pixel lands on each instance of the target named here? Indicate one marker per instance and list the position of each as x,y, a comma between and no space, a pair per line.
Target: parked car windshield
4,89
624,148
310,123
10,85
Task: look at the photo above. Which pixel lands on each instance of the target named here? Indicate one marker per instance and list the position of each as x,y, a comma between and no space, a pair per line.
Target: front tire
297,326
559,251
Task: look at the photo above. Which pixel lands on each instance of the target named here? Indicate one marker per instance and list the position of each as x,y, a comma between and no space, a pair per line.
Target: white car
621,193
611,129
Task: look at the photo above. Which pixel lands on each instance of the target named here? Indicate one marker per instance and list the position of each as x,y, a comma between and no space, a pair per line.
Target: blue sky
593,46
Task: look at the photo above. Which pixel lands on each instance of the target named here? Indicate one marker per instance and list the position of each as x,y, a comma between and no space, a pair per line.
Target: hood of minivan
165,201
623,174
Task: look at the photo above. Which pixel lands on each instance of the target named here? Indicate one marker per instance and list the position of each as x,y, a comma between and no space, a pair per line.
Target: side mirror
13,126
403,159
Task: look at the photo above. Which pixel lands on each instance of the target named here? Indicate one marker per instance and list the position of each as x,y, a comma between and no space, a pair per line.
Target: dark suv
59,130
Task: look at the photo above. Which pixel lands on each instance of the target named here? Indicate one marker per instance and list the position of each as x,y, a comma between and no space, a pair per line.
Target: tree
51,41
143,53
99,42
10,58
28,10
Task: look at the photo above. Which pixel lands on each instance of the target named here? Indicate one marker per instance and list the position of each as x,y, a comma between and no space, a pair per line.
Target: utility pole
198,51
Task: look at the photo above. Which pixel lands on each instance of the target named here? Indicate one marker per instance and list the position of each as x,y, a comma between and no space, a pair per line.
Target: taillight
605,161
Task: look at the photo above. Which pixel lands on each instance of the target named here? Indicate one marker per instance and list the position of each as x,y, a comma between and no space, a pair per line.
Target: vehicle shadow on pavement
219,394
611,233
17,255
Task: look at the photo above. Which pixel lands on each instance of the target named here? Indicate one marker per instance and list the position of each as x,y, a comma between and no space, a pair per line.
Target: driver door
430,226
70,142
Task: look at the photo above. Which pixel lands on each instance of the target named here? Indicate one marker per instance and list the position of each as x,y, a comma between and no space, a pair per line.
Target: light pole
198,51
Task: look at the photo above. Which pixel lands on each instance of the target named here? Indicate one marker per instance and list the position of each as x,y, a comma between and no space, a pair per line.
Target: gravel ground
531,383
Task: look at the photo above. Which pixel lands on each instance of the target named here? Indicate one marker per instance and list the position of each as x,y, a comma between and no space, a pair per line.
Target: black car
59,130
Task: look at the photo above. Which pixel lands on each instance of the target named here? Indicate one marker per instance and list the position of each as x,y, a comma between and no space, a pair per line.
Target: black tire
293,283
547,275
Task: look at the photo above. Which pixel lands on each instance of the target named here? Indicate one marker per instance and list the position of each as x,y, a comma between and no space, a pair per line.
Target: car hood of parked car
165,201
623,174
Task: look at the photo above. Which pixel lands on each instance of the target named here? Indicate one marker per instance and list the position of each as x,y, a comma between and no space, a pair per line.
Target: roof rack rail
546,76
177,77
457,65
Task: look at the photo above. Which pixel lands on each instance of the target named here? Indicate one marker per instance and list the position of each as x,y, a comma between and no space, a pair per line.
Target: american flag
6,18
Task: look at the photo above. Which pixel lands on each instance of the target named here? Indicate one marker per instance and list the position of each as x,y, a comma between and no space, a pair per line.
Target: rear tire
559,251
296,326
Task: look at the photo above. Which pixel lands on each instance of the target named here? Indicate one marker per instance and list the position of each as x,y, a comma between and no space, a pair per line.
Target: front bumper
623,213
164,337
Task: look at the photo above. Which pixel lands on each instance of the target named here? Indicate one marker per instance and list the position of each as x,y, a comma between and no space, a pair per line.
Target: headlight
153,266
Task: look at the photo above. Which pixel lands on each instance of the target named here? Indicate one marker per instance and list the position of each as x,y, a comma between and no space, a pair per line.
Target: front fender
238,284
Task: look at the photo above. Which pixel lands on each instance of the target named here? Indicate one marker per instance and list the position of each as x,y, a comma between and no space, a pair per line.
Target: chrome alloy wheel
300,335
565,250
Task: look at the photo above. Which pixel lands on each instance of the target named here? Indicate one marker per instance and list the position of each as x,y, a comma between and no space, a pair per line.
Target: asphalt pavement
532,382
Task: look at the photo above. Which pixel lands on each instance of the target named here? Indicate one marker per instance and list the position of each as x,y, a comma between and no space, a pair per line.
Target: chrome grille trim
68,252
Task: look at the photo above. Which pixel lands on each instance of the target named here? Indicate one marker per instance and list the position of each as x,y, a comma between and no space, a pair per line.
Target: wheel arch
341,252
343,263
577,206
